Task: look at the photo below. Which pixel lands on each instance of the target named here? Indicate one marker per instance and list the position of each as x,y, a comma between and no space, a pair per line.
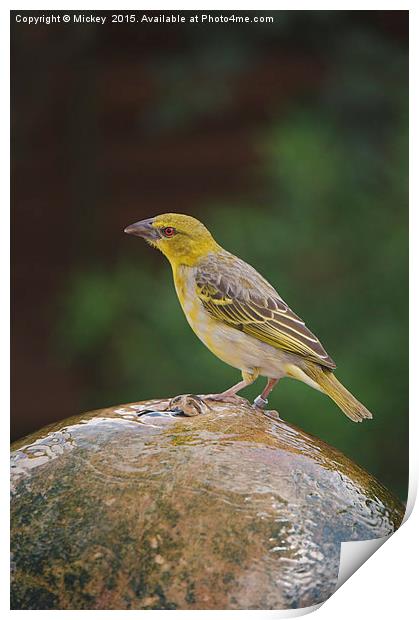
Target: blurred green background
289,140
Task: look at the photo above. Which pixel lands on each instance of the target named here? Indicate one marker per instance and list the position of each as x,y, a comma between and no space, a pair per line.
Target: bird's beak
144,229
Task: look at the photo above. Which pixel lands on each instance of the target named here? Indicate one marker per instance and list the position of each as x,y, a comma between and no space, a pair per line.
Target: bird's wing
236,294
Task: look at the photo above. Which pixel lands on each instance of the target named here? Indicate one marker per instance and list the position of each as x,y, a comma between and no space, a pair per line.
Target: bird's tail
338,393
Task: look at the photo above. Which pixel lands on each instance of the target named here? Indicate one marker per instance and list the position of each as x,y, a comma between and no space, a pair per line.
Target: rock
133,508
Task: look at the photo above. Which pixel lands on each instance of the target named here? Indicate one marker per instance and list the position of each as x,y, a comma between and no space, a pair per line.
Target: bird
240,316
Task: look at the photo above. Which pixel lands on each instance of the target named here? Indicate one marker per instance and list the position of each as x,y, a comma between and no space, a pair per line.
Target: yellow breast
220,339
194,311
232,346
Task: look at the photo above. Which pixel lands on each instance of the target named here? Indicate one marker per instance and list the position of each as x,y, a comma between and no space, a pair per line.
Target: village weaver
239,316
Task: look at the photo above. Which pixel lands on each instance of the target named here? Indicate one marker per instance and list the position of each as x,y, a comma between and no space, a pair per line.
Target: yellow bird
239,316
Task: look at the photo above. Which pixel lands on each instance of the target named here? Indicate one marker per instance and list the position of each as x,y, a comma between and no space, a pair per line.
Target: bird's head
181,238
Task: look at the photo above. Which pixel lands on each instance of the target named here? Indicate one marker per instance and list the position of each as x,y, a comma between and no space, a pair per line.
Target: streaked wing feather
236,294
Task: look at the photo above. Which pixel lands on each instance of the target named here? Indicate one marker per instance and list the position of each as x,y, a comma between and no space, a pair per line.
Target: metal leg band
260,402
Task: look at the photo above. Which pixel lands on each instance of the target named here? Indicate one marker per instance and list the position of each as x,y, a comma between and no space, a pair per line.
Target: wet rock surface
139,507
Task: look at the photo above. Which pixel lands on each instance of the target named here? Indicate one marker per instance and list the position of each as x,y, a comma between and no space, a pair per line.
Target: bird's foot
226,398
260,402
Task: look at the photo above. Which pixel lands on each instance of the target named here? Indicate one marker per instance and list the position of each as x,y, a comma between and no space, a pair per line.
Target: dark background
289,140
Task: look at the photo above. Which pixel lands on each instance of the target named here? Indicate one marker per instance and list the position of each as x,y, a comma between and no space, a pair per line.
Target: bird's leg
261,401
230,395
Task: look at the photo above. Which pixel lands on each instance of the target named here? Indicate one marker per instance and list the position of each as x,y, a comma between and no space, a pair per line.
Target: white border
386,584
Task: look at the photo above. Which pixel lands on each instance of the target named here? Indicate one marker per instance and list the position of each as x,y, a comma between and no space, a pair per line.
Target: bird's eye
169,231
